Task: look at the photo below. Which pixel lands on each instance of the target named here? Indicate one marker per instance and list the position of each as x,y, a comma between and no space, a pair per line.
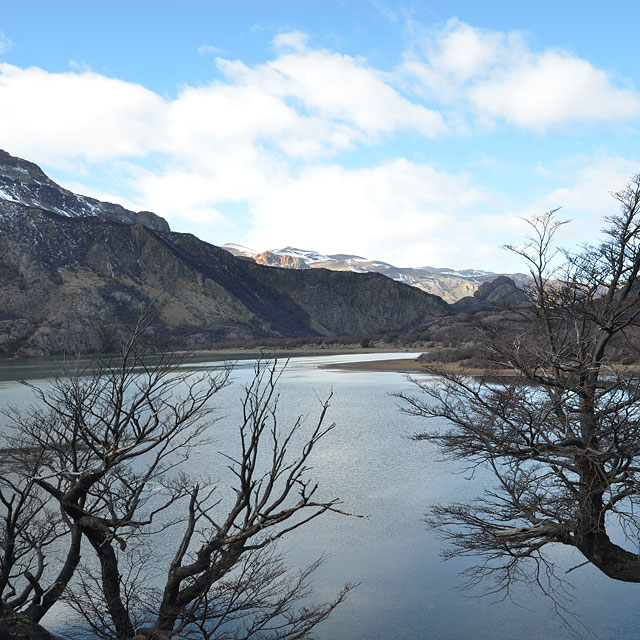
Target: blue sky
418,133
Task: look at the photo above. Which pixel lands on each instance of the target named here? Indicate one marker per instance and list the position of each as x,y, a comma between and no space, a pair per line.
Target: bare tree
560,435
108,450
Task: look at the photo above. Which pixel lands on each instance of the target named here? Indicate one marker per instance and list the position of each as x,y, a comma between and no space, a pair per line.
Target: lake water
406,590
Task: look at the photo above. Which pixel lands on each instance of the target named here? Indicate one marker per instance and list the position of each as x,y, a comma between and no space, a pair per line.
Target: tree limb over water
562,437
104,459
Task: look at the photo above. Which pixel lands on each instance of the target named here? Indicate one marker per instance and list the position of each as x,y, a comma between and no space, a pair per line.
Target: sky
418,133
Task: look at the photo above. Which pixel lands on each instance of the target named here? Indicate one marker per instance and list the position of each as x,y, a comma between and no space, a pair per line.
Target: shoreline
398,365
403,365
300,351
12,369
229,353
411,366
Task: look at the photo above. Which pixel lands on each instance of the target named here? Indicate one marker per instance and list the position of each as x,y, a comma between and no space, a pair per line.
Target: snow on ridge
465,274
92,206
310,257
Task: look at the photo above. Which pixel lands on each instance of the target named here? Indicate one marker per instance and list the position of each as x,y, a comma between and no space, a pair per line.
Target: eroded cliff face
73,284
275,260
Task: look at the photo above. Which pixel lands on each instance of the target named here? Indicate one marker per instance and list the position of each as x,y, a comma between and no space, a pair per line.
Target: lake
406,590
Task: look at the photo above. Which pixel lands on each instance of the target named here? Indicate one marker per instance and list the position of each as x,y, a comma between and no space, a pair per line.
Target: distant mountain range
76,272
449,284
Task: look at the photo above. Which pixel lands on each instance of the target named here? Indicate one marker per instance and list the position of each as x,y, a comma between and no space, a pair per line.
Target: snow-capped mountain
310,257
449,284
24,183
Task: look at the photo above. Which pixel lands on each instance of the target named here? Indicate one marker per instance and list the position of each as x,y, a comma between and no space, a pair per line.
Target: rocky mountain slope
500,293
25,183
449,284
71,279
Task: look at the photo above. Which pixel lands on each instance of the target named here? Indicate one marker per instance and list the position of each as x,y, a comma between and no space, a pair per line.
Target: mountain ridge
25,183
74,280
449,284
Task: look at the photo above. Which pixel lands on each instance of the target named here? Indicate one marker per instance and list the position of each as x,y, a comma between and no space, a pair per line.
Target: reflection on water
406,591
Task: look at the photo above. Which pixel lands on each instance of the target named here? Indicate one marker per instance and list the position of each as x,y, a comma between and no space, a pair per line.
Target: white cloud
226,142
53,117
80,66
464,51
399,211
343,88
303,104
494,76
338,88
586,194
179,194
446,61
554,88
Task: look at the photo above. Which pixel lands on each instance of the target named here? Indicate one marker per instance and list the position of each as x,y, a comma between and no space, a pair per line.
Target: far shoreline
409,366
230,354
38,367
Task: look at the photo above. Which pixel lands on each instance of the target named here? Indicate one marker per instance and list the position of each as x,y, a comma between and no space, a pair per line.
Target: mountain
449,284
25,183
75,272
500,293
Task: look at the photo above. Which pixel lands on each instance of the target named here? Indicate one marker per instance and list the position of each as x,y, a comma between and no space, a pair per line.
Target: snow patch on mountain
25,183
310,257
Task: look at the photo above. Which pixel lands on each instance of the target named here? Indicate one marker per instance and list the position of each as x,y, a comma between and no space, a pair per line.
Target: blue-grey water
405,589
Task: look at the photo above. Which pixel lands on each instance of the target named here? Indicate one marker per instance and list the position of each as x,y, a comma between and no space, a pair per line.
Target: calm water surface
406,591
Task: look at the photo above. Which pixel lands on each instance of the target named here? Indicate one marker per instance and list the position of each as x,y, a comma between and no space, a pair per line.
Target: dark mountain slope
71,284
353,303
500,293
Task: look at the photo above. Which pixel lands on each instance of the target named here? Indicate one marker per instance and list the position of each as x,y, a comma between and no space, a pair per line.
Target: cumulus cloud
496,77
304,103
400,211
340,89
229,141
552,89
55,117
